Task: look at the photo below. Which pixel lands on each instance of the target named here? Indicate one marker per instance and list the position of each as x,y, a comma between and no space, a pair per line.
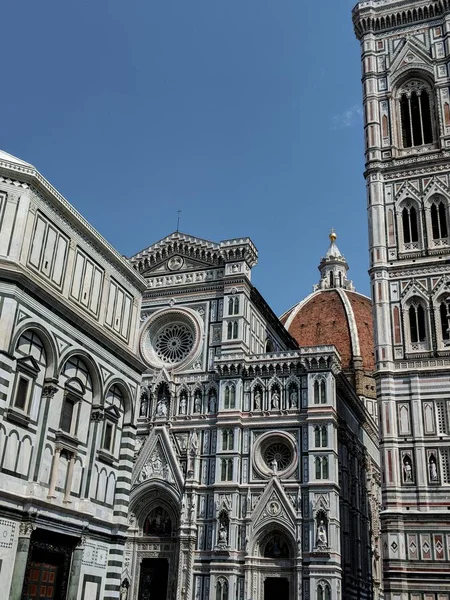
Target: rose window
172,338
173,343
279,454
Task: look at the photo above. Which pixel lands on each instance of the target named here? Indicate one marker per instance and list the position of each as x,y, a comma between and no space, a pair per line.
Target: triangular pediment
157,461
274,507
176,253
413,54
28,363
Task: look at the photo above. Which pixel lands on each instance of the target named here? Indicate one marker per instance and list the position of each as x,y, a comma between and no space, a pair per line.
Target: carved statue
293,398
322,538
258,399
197,402
212,403
433,469
124,589
274,465
161,410
407,470
144,406
183,405
223,537
275,399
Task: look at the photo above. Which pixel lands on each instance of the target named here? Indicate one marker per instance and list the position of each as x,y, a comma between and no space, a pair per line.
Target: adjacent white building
69,379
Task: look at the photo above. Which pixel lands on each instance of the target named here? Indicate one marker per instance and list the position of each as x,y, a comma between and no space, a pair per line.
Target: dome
336,314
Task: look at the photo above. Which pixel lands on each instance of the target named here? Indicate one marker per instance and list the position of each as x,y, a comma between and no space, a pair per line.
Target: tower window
417,323
415,114
438,220
409,222
226,471
444,315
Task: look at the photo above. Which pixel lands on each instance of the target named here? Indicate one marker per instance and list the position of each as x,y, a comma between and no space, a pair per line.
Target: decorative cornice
31,176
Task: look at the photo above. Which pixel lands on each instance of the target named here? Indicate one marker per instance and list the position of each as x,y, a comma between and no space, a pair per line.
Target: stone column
54,475
20,565
75,570
69,479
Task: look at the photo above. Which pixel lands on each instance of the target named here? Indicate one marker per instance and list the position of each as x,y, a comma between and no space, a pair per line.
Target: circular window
278,454
173,343
275,452
171,338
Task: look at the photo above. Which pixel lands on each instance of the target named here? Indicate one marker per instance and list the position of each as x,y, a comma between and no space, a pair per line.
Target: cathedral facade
256,471
405,48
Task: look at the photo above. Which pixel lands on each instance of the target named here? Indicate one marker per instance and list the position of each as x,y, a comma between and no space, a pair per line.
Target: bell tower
405,46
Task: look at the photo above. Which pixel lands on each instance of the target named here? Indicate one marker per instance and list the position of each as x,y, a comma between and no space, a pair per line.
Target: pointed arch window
444,315
415,114
320,392
439,228
321,467
226,470
228,439
320,436
323,591
417,327
229,397
409,224
222,589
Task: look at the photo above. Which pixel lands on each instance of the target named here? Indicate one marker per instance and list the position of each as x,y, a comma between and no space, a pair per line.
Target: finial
332,235
178,220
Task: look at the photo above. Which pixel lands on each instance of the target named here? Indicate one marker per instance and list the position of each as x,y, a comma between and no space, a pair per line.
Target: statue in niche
223,537
124,589
158,523
258,399
275,399
212,402
321,537
193,442
197,402
293,398
144,406
183,404
432,468
161,410
274,466
407,470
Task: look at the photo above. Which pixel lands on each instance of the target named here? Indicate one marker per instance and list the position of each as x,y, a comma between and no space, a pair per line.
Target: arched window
114,407
324,467
226,402
78,386
316,392
324,436
331,279
444,317
318,465
317,439
415,114
236,305
230,306
235,330
417,327
30,369
409,224
226,470
323,394
439,227
323,591
232,397
269,346
230,330
227,439
222,589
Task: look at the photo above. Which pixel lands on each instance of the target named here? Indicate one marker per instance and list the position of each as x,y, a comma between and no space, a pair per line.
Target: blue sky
244,114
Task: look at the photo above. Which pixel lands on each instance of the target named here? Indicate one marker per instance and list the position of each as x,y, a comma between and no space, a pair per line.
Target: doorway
153,579
276,588
47,572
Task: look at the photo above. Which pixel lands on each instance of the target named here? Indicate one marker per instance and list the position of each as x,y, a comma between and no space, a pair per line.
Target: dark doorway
47,573
276,588
153,579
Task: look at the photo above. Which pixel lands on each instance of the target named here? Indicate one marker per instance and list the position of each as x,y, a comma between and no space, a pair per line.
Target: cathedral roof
6,157
335,314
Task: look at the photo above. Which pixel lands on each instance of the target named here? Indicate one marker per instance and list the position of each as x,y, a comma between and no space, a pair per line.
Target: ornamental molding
271,508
